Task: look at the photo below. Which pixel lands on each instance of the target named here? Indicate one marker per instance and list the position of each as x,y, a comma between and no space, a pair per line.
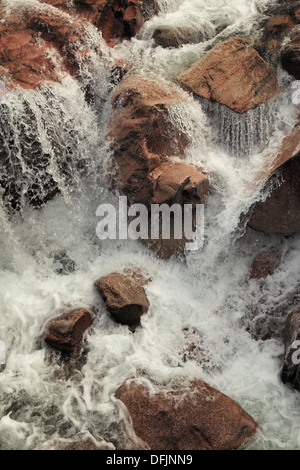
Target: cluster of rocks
234,73
43,46
125,299
191,417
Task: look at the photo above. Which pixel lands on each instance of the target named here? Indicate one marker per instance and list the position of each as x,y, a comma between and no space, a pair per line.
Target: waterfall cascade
53,141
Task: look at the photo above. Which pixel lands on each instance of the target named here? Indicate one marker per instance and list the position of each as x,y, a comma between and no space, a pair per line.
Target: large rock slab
195,418
233,74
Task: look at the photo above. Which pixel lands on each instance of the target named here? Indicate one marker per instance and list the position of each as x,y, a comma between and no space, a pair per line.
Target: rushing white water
51,256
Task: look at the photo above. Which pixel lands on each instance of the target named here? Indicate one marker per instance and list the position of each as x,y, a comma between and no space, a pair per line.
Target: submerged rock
65,333
195,418
80,444
233,74
265,263
167,36
291,367
124,296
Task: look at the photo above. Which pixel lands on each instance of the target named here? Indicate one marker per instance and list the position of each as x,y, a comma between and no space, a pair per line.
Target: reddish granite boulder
194,418
124,296
291,367
65,332
178,182
39,47
264,264
233,74
143,137
280,212
27,60
116,19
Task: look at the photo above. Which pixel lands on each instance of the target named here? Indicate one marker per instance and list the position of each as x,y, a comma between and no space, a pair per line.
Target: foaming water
50,258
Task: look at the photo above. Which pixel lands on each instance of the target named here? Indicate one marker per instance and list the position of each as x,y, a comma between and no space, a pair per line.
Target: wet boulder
167,36
41,46
143,138
280,212
265,263
116,19
197,417
124,296
65,332
290,373
234,74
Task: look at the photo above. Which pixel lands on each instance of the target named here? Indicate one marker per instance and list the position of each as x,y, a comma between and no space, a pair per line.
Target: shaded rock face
264,264
279,24
289,149
290,56
280,212
120,19
143,137
65,332
291,370
233,74
124,296
275,31
199,418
